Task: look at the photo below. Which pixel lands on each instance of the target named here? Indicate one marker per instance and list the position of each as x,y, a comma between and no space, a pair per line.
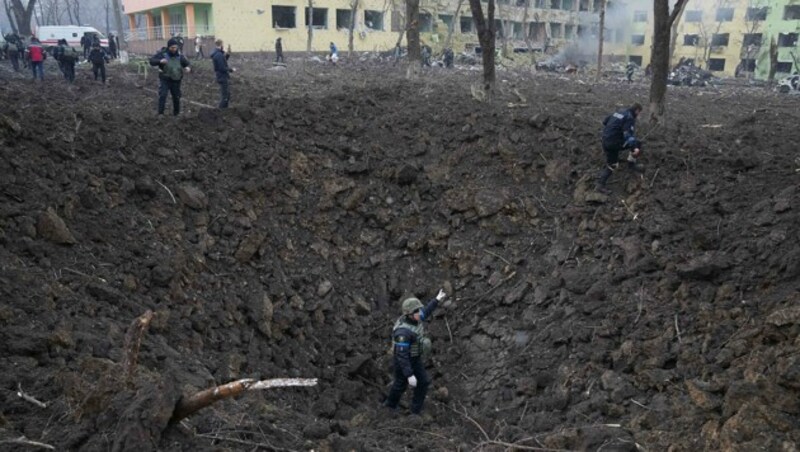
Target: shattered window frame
691,39
754,39
374,17
720,39
748,64
556,30
694,15
466,25
716,64
317,12
635,59
787,39
756,13
724,15
640,16
637,40
343,18
425,23
281,19
791,12
784,67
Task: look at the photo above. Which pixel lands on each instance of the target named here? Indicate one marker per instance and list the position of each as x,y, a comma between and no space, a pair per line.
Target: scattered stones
51,227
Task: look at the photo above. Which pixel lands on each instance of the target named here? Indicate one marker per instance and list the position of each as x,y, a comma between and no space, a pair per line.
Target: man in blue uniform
411,347
619,134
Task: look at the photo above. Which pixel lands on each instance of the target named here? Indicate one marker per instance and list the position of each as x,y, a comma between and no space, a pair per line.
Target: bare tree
23,12
310,19
662,26
10,15
756,13
118,22
708,30
773,59
602,33
412,38
353,17
452,27
674,36
73,8
486,37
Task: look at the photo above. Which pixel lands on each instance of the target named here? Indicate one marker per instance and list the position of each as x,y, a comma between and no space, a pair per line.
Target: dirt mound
275,239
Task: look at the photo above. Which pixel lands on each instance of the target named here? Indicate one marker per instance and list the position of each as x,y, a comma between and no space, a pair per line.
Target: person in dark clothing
629,70
179,38
112,46
86,43
426,55
171,65
68,57
448,57
98,57
411,347
619,134
13,50
397,53
222,71
278,51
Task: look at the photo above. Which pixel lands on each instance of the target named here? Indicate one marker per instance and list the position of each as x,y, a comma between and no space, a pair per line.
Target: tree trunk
353,16
412,38
108,17
23,15
602,32
310,37
662,24
674,36
10,15
68,7
486,37
120,34
773,60
452,27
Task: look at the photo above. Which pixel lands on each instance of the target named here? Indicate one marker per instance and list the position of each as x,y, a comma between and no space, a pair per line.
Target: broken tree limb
133,340
190,405
26,442
168,191
28,398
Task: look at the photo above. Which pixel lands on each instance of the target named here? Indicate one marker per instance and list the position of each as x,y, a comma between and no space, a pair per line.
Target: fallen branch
678,330
133,340
630,210
28,398
653,180
447,324
26,442
497,256
168,191
190,405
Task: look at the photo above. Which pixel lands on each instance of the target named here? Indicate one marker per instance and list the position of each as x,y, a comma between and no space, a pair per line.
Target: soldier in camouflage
410,348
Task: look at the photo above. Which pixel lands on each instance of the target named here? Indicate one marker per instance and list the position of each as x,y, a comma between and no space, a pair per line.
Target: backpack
69,54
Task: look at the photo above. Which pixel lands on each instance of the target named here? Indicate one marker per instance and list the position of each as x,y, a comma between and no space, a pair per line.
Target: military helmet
410,305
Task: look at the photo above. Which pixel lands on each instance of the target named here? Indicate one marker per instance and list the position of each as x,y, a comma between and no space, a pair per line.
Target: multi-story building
254,25
727,37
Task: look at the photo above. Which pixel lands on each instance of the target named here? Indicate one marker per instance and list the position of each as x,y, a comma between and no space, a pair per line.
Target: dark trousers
279,57
69,71
99,70
86,52
172,87
224,93
38,69
401,383
14,57
612,162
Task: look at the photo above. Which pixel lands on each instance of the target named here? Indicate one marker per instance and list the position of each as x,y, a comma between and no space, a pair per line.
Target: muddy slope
277,238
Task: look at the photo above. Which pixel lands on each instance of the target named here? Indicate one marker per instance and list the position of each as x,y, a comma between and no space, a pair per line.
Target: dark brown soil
276,239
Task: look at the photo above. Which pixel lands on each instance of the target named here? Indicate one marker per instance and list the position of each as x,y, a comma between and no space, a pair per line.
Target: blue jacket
221,69
619,130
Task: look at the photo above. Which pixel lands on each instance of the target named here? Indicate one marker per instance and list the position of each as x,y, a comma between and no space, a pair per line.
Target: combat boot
602,179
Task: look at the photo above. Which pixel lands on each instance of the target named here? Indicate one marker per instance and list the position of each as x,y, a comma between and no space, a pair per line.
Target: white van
49,35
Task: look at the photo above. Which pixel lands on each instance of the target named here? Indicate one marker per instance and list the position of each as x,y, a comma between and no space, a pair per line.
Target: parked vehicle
789,84
50,34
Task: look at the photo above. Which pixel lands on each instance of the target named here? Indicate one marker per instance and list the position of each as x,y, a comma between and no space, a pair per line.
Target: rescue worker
618,134
98,57
278,50
222,71
112,46
448,57
171,65
36,55
629,70
86,44
68,57
398,53
13,50
410,348
426,55
334,55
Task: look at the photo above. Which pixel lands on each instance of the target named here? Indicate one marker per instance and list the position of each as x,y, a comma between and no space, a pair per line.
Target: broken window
516,30
555,4
751,39
499,28
446,19
694,15
748,65
537,31
373,19
720,39
755,14
724,15
635,59
784,67
283,16
320,19
466,24
569,31
584,6
425,22
716,64
640,16
343,19
637,40
787,39
541,4
691,40
556,30
791,12
567,5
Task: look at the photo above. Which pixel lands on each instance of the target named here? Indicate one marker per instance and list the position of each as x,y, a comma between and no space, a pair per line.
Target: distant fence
151,46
